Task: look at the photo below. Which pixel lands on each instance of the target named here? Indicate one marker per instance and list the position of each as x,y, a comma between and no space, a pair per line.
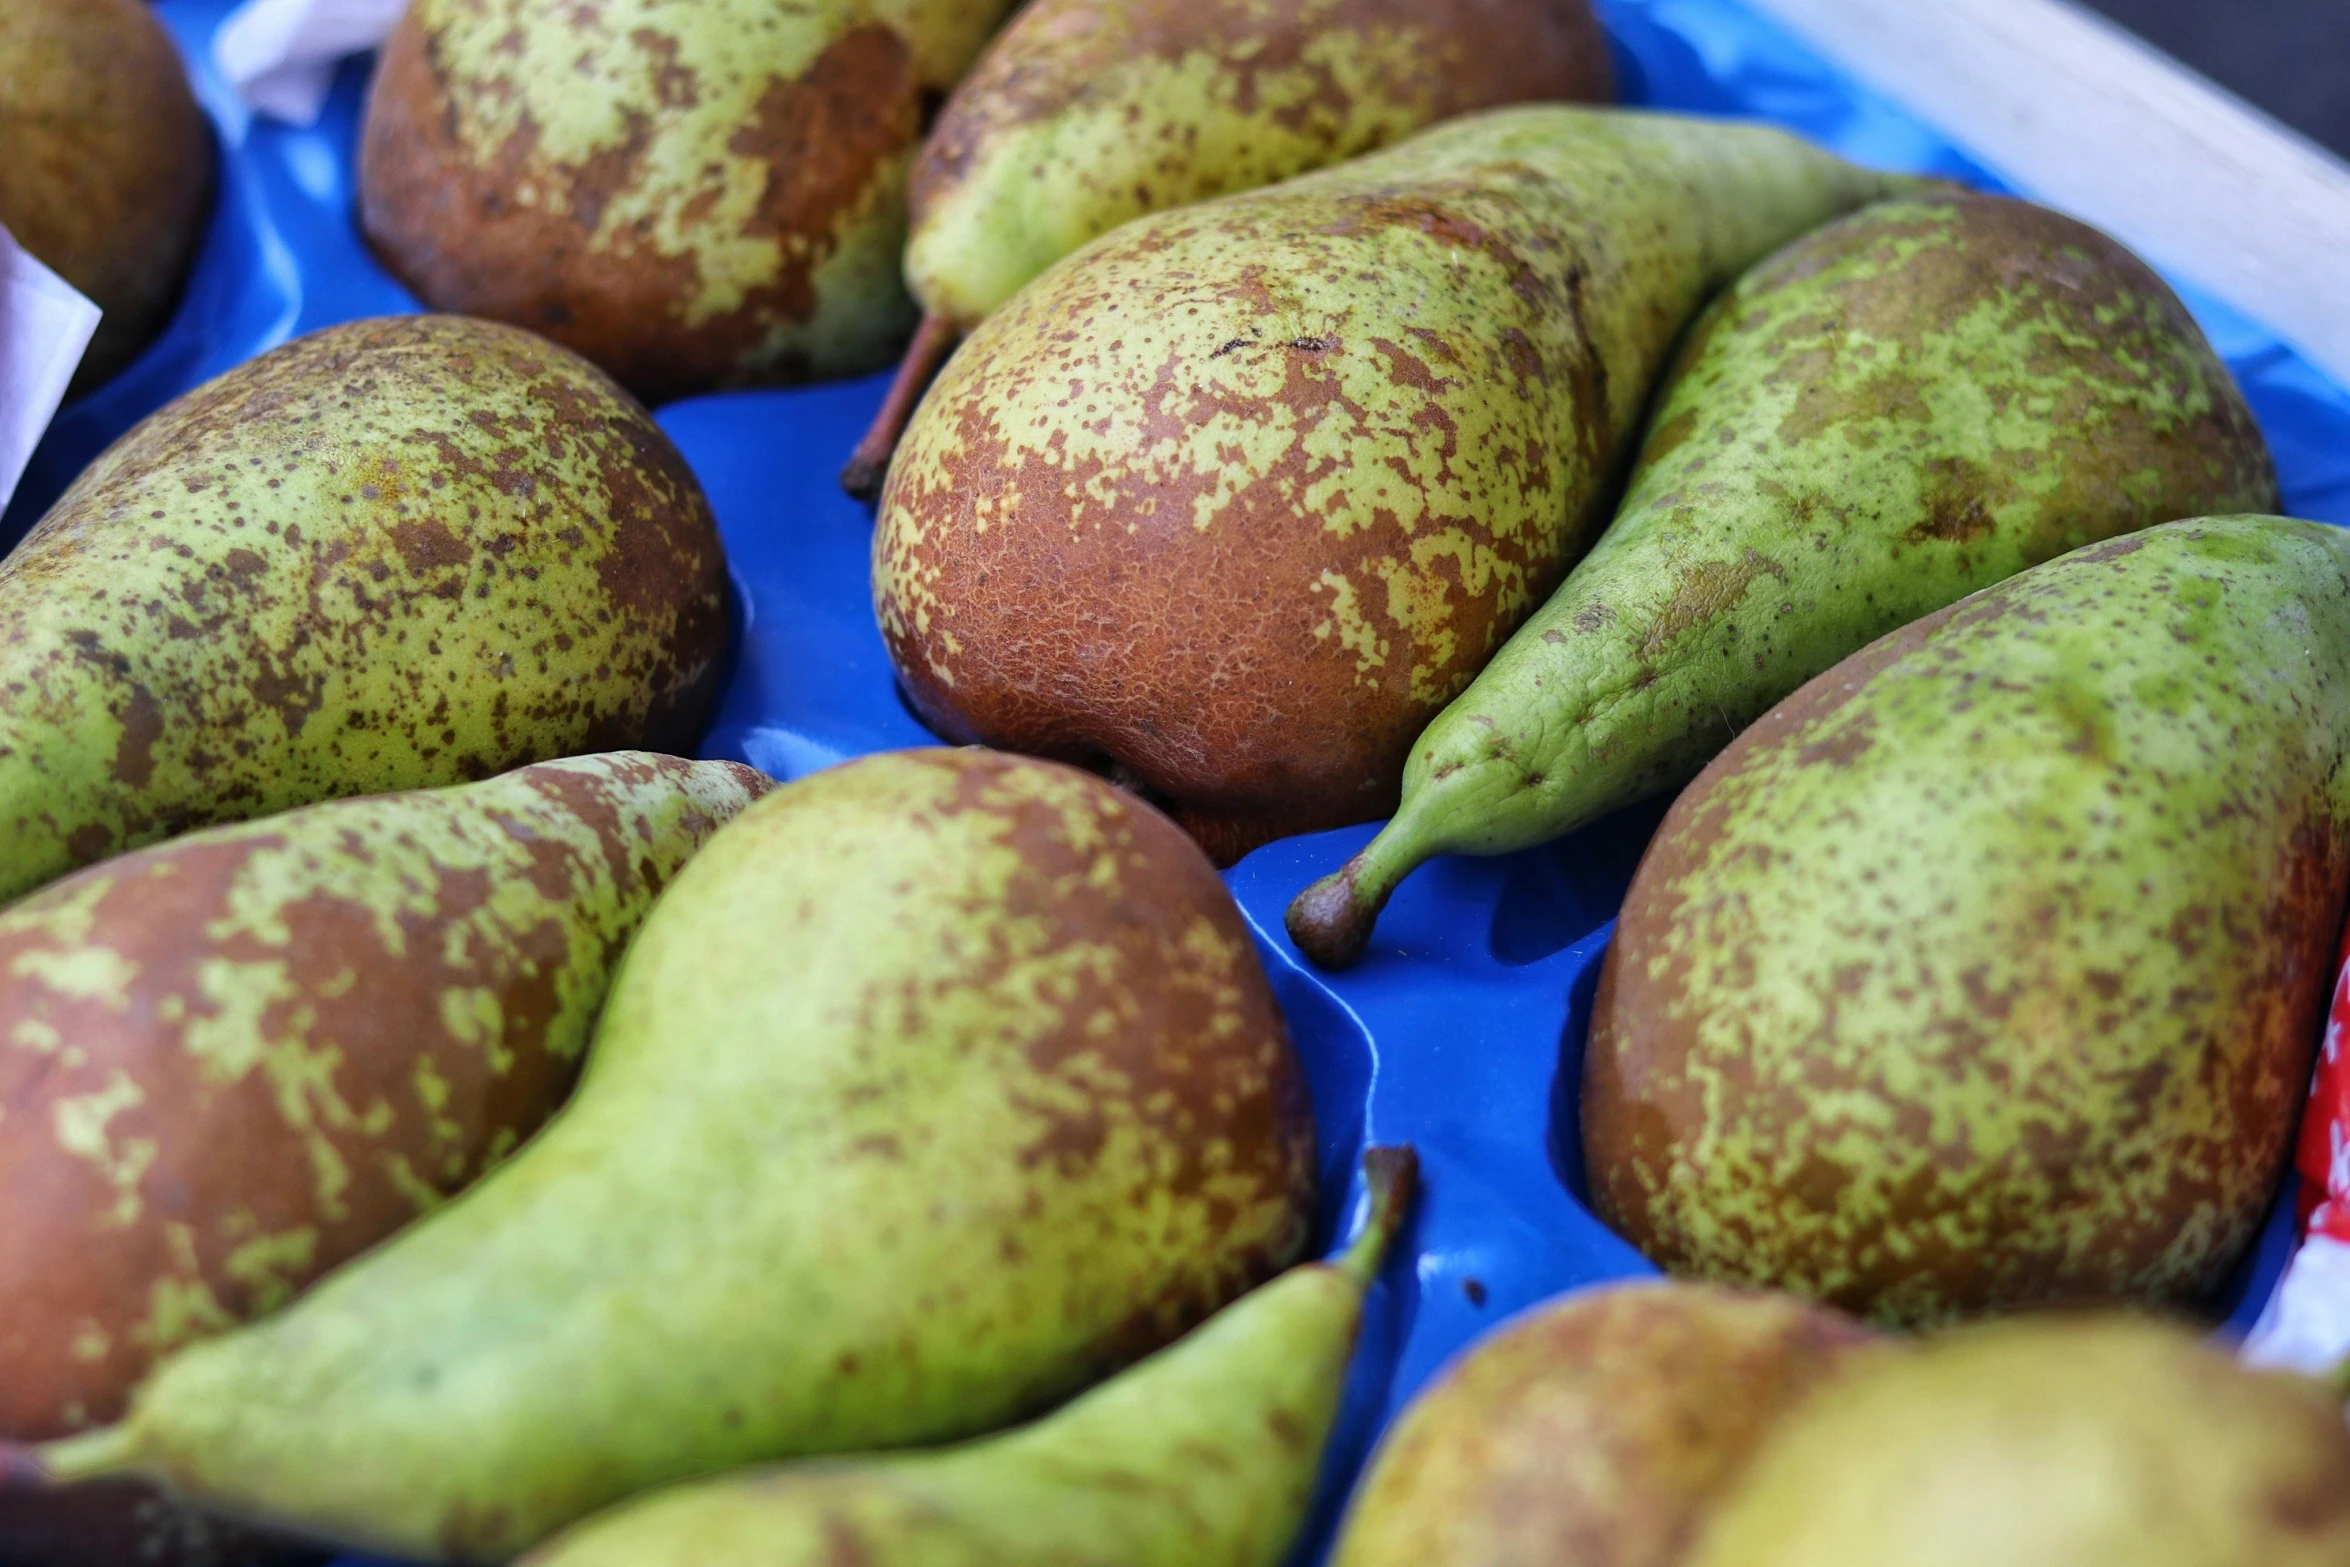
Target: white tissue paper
44,328
280,55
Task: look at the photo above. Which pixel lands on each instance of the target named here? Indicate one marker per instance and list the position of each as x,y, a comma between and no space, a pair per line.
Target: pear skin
110,165
233,1061
939,1084
2049,1443
694,194
1987,970
1085,114
1910,404
395,554
1598,1429
1204,1455
1236,498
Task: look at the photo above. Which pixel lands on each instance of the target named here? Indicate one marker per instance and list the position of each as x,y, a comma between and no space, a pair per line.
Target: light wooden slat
2087,117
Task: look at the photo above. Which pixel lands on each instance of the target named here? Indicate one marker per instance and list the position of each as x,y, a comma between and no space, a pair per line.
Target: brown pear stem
868,465
1393,1176
1332,920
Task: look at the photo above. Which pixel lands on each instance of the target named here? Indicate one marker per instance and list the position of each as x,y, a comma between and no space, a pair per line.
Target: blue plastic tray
1462,1031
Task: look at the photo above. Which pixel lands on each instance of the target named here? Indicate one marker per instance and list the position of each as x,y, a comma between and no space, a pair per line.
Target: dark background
2291,57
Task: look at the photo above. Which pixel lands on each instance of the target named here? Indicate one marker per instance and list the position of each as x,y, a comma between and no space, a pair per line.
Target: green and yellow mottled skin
1085,114
1597,1430
1912,403
1204,1455
2050,1443
692,193
108,169
939,1084
1986,970
1239,496
392,555
231,1062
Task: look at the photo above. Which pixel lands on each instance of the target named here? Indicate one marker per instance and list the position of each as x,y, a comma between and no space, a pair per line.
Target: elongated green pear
1987,969
1913,403
391,555
234,1061
938,1084
1238,497
2049,1443
1084,114
1205,1455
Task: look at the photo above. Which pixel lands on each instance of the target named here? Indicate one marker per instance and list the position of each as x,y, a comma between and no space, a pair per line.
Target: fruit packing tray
1462,1030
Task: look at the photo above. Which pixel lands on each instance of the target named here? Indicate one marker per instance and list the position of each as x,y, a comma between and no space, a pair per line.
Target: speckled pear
1912,403
1598,1430
1236,498
1084,114
1987,969
108,172
391,555
2049,1443
1204,1455
234,1061
694,194
938,1084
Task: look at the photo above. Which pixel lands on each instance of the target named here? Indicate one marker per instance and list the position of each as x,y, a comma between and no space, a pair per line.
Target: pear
938,1084
2050,1443
1987,970
235,1060
1204,1455
1233,500
109,169
695,194
1912,403
392,555
1598,1429
1084,114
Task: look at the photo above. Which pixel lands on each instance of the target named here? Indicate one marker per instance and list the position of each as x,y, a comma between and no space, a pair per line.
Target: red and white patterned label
2307,1324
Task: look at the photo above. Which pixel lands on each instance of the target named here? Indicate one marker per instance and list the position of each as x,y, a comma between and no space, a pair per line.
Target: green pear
1987,969
1597,1429
1204,1455
391,555
1235,499
938,1084
694,194
1912,403
235,1060
1084,114
2055,1443
109,168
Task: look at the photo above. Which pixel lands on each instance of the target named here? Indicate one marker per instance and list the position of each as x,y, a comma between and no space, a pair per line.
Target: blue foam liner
1462,1031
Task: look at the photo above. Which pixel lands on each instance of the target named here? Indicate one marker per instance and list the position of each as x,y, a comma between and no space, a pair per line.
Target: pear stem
1393,1176
868,465
94,1455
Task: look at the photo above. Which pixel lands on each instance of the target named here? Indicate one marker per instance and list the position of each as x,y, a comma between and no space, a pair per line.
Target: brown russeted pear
1084,114
1910,404
2049,1443
391,555
108,170
1987,969
1204,1455
235,1060
1236,498
1598,1429
694,194
938,1085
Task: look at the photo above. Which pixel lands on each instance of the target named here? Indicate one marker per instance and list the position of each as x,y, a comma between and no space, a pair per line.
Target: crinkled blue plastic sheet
1462,1031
